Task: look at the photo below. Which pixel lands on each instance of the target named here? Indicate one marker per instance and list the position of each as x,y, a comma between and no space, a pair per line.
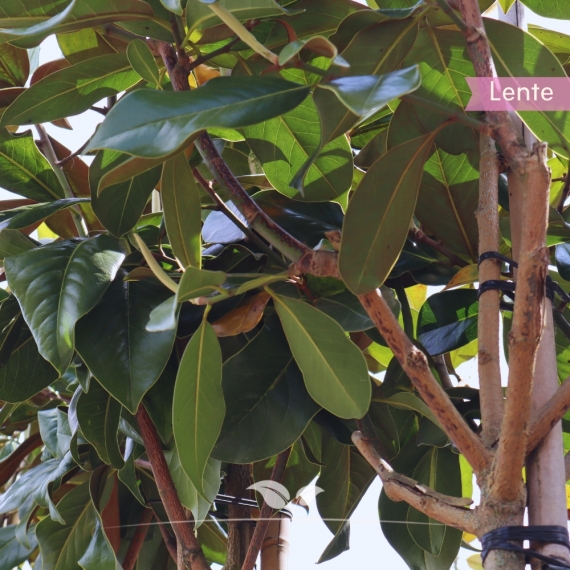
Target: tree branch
528,321
137,541
169,540
549,415
489,363
446,509
414,363
187,542
420,236
265,514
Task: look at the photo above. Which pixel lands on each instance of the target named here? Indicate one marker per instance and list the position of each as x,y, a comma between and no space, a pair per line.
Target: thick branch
549,415
415,364
187,542
528,319
265,514
135,546
489,363
446,509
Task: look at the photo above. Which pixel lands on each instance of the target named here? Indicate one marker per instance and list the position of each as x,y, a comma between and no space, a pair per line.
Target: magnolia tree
246,247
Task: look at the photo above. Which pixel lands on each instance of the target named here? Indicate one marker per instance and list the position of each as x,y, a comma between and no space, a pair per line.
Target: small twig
406,311
235,220
442,371
264,516
51,157
137,541
143,464
169,540
220,51
101,110
420,236
565,192
73,155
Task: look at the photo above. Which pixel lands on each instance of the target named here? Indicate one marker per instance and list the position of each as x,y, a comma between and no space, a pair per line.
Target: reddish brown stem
183,529
265,514
137,540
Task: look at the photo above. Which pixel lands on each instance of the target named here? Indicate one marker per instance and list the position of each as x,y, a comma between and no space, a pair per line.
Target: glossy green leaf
562,260
88,43
12,552
128,474
530,60
334,369
448,320
182,210
24,170
346,310
379,214
153,124
213,541
548,8
262,387
112,340
198,409
59,283
557,42
286,144
98,414
142,61
199,15
444,63
14,66
198,283
25,216
408,401
345,476
13,242
173,5
448,197
72,90
23,371
121,205
42,18
365,94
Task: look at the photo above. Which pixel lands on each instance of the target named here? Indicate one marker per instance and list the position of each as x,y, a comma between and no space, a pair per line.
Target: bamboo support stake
275,547
491,392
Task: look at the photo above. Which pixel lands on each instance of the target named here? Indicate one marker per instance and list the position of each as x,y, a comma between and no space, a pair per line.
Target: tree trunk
240,528
275,547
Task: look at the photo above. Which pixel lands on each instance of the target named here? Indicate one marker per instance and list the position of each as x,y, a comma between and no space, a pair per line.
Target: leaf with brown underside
243,318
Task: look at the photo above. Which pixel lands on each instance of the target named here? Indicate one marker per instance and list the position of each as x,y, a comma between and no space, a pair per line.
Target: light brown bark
415,364
489,363
275,547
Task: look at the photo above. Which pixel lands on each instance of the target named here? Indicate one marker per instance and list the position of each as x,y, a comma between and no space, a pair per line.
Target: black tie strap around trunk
504,539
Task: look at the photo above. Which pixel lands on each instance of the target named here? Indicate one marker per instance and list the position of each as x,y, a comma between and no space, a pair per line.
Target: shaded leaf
334,369
13,242
12,552
379,214
263,387
142,61
198,409
114,344
14,66
59,283
25,216
198,283
243,318
154,124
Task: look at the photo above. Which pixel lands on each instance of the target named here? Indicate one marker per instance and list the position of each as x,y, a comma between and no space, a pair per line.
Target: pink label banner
519,94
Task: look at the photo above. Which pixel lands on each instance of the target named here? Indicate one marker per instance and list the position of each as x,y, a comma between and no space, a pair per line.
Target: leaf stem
51,157
235,220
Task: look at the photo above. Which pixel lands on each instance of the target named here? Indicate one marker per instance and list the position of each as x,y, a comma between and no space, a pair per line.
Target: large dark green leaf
448,320
378,217
25,216
24,170
346,310
153,124
263,387
182,210
345,476
448,198
198,408
56,16
408,538
14,66
13,242
531,59
23,372
120,206
12,553
98,414
72,90
114,344
59,283
335,372
562,260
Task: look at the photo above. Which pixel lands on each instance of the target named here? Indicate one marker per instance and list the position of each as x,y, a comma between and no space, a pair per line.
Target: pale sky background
309,536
